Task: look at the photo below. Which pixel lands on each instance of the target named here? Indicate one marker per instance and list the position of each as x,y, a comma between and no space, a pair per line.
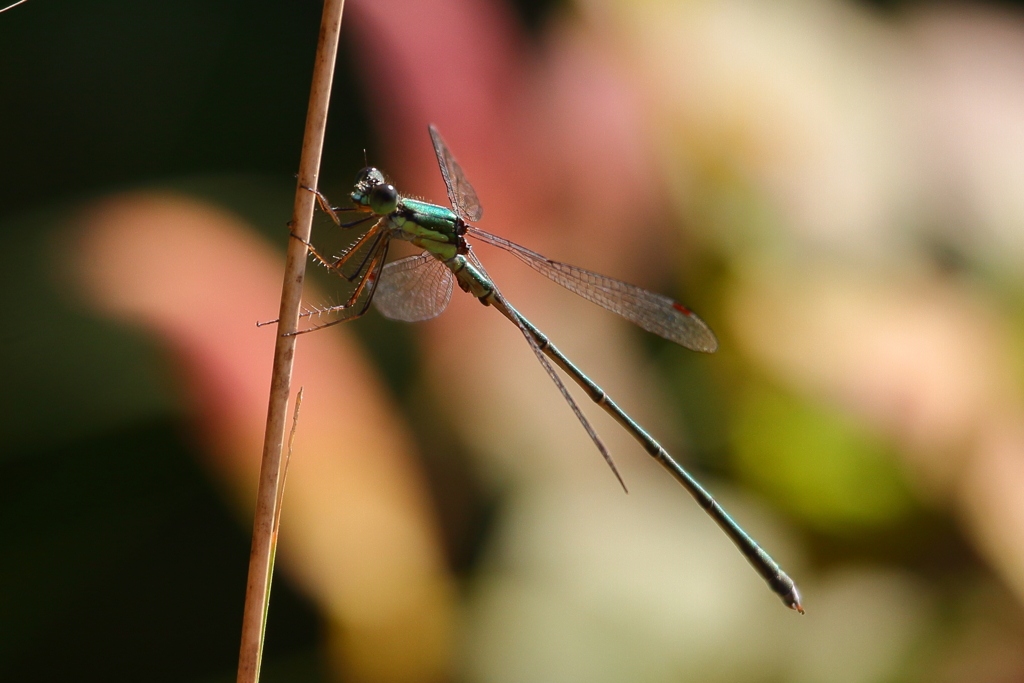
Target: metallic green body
441,232
429,226
470,278
429,216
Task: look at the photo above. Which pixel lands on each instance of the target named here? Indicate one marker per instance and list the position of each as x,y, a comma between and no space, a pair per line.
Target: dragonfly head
374,193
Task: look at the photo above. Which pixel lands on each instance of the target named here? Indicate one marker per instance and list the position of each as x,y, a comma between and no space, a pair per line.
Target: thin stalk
277,517
261,554
12,5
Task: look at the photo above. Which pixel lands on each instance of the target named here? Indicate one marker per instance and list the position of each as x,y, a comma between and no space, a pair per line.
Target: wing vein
653,312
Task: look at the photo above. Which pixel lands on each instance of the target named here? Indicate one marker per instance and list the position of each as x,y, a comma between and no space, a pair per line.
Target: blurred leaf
817,463
697,396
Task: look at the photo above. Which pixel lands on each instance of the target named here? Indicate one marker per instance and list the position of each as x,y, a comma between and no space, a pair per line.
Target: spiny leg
366,258
336,264
372,279
369,253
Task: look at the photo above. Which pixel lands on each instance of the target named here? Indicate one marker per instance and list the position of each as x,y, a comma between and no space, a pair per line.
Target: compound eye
369,175
383,199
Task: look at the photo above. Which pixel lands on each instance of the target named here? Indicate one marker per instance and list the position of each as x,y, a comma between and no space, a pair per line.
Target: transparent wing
520,322
653,312
413,288
460,193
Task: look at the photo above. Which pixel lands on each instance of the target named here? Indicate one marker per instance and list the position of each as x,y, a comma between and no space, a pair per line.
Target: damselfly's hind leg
370,281
376,257
360,312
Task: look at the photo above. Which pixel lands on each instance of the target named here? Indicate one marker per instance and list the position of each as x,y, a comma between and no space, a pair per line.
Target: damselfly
419,287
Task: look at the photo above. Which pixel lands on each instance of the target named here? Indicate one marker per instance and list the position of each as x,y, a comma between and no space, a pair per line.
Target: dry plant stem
288,458
277,515
260,557
12,5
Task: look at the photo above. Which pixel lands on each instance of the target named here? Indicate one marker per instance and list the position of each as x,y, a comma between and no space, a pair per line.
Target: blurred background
837,187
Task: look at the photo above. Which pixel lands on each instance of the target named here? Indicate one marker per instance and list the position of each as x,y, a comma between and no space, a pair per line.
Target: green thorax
429,216
430,226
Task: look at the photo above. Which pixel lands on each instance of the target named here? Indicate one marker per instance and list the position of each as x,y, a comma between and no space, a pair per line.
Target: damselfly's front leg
332,211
